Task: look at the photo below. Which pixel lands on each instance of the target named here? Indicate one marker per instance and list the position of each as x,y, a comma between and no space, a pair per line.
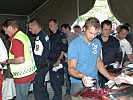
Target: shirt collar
11,37
85,41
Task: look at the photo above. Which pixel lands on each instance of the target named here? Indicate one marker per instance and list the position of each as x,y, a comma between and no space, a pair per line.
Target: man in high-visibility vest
21,59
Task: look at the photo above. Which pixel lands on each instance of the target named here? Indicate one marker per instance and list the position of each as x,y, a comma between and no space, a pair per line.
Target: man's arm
18,60
102,69
64,48
72,69
130,57
59,59
18,51
124,79
75,73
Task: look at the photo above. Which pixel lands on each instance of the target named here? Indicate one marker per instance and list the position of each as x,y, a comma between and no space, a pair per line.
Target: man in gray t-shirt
70,37
67,30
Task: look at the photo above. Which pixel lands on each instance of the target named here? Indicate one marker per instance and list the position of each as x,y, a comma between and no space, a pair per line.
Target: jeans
39,89
76,87
22,91
68,83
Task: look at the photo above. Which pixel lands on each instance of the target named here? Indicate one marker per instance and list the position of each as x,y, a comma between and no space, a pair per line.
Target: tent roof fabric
123,11
19,7
65,11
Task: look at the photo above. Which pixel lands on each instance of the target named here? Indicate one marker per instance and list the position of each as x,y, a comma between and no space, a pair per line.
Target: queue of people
82,57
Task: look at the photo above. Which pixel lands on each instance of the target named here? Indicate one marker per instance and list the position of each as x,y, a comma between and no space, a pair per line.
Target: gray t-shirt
72,37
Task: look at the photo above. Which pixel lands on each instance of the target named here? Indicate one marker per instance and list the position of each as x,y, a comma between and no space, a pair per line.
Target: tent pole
39,8
78,12
13,15
28,19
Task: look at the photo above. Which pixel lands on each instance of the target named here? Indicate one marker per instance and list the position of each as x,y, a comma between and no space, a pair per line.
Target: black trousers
56,80
39,89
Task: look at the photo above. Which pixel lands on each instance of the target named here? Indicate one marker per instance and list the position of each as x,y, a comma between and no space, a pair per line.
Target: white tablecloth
8,89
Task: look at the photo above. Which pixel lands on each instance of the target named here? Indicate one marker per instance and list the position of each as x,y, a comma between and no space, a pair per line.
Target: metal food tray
116,72
80,95
125,93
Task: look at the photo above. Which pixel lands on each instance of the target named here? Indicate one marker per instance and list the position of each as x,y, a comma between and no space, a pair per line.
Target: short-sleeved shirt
41,49
72,37
125,46
18,51
111,50
3,52
58,43
86,55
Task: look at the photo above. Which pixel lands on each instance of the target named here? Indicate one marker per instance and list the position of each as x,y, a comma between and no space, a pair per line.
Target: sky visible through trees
100,10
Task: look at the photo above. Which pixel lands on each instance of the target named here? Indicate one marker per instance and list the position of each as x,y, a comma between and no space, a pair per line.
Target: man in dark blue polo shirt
41,52
111,51
58,46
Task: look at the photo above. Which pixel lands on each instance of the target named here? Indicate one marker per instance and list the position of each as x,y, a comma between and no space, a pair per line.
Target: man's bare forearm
18,60
103,70
75,73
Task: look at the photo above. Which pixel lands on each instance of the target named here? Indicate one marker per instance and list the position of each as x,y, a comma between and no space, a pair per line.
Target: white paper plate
130,66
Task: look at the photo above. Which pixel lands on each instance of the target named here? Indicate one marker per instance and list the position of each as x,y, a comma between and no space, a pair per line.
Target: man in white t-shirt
3,57
124,44
3,52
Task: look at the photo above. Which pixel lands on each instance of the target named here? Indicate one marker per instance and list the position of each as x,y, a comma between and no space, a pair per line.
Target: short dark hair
108,22
34,22
123,27
66,26
10,22
54,20
126,24
76,26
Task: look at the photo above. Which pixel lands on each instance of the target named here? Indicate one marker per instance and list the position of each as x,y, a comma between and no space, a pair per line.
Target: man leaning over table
84,57
125,45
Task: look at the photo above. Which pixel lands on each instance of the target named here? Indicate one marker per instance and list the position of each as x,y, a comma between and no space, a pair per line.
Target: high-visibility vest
28,67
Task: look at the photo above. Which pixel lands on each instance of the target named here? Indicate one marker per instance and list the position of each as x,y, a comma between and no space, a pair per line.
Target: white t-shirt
125,46
3,52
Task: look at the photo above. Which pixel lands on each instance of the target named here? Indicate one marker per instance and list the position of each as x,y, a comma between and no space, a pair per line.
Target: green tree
100,7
